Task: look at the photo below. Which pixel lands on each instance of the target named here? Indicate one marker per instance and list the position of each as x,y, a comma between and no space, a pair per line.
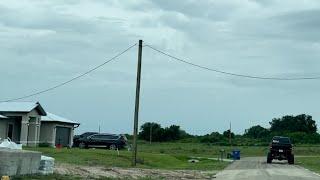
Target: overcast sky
43,43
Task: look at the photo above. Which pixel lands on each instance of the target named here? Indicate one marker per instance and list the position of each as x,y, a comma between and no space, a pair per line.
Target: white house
57,130
29,124
22,122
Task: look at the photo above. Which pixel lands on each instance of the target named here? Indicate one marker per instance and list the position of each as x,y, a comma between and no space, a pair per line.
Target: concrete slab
19,162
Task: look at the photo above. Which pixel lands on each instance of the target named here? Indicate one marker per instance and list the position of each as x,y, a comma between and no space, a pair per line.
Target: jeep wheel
291,159
269,158
112,147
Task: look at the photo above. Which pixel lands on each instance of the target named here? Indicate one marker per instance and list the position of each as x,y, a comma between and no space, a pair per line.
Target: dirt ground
88,172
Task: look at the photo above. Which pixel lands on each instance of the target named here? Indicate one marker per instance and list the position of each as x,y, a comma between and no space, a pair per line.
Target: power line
73,79
230,73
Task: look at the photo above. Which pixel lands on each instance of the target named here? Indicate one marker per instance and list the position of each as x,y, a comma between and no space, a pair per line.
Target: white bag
46,165
7,143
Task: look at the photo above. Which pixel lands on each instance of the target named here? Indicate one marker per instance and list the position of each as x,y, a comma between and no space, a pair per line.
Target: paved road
256,168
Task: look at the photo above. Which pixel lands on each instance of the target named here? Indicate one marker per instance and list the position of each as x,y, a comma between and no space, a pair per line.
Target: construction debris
46,165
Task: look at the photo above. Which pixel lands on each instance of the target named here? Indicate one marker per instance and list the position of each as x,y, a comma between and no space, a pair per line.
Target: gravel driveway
256,168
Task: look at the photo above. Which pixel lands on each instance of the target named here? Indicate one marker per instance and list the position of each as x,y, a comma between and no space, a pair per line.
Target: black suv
110,141
281,149
78,138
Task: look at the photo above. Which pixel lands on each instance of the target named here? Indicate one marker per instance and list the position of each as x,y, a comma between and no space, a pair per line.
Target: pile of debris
46,165
15,161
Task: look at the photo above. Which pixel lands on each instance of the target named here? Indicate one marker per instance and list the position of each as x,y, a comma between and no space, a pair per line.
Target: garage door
63,136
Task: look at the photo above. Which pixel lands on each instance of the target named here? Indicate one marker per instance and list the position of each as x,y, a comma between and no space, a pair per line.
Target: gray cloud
46,42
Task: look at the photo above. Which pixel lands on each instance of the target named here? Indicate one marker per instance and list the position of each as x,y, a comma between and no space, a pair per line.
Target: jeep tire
291,159
269,158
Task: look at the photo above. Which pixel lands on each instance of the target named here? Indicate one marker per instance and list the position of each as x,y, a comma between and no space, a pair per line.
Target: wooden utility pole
150,133
136,111
230,141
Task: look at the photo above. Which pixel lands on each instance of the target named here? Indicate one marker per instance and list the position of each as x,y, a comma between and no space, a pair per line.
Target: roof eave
40,109
60,122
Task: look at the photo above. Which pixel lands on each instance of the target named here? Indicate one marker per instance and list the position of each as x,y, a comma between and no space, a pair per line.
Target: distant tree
172,133
256,132
227,134
154,128
299,123
184,134
160,134
214,137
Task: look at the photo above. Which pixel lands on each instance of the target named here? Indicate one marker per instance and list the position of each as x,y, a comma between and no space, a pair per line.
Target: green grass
102,157
66,177
171,156
47,177
208,150
199,149
311,163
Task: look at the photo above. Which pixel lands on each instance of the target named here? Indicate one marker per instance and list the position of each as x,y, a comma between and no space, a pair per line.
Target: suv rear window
282,140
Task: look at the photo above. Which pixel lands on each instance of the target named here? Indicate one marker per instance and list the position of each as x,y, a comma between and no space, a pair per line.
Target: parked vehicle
78,138
110,141
281,148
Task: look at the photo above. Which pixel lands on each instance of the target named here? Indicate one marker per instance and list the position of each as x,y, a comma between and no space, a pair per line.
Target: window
97,137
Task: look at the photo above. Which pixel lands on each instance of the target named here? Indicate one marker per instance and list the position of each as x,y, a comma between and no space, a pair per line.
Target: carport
56,130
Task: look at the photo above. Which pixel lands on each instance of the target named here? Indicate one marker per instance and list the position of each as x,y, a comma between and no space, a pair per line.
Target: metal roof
21,107
2,117
55,118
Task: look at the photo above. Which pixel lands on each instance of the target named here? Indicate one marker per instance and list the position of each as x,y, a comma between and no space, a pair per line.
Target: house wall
33,127
29,131
4,129
48,132
4,124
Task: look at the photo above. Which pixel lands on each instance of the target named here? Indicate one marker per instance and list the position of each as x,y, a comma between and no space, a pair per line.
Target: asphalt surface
256,168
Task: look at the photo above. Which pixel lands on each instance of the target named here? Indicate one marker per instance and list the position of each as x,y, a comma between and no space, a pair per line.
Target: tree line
302,129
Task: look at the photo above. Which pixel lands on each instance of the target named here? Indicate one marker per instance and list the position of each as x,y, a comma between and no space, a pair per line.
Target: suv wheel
269,158
112,147
82,145
291,159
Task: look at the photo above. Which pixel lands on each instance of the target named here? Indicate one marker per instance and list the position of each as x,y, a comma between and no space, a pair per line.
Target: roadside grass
209,150
311,163
107,158
47,177
168,156
67,177
199,149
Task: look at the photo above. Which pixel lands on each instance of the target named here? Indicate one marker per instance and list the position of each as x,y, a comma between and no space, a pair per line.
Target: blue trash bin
236,154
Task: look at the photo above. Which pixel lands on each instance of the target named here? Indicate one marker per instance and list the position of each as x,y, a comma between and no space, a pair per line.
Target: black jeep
281,149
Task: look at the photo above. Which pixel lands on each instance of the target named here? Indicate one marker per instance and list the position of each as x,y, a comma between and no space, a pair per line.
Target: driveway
256,168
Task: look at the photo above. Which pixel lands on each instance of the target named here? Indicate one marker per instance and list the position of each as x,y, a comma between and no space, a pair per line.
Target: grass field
64,177
208,150
169,156
149,156
67,177
311,163
102,157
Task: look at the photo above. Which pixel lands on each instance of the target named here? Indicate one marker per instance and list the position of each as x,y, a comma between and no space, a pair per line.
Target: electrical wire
71,80
230,73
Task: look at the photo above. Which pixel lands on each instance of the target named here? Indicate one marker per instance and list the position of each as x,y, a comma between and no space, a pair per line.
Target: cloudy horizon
44,43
